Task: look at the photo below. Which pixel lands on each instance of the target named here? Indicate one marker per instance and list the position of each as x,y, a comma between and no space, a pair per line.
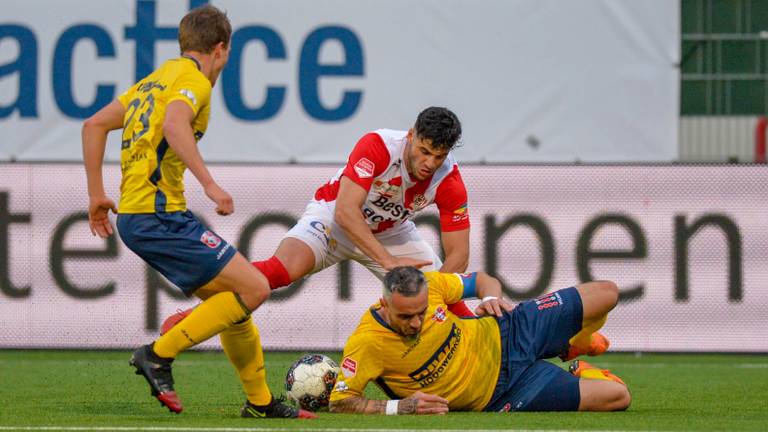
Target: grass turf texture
99,390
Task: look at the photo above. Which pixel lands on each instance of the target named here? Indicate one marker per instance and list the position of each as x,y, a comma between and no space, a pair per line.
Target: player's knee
623,399
608,292
254,294
617,398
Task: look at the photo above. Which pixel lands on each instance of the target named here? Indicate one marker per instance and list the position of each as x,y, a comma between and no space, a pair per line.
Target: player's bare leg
296,256
292,260
600,390
229,298
597,298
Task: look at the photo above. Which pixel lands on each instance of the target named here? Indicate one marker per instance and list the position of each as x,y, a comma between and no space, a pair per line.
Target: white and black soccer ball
309,381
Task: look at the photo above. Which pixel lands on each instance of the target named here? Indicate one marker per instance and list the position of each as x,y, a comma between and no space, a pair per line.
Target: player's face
220,59
406,314
422,160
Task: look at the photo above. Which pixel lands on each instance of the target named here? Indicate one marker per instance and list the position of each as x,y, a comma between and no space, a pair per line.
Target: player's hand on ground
423,403
493,307
224,203
98,215
406,262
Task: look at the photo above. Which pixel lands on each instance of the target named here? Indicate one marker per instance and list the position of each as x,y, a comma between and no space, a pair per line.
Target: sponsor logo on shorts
439,315
349,367
223,251
507,406
549,301
210,239
364,168
323,233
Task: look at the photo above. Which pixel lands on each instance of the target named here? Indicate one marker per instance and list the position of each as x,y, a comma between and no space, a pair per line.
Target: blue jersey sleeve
468,280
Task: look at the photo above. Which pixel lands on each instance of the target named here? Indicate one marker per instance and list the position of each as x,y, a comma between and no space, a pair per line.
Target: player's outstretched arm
489,290
349,217
177,130
94,137
418,403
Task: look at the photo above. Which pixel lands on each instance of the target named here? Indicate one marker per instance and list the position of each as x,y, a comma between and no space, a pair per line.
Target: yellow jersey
458,359
153,175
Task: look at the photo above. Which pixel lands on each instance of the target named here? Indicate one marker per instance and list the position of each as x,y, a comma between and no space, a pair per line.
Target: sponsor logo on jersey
210,239
387,189
439,316
548,301
364,168
341,386
189,94
349,367
430,371
419,202
460,213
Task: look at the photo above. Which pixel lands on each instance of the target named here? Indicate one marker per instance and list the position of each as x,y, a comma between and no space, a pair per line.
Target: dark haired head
440,125
406,281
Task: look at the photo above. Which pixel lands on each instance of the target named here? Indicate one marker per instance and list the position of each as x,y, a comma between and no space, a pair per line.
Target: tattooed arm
418,403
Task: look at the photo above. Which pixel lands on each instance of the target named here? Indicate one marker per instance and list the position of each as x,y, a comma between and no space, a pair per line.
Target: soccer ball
309,381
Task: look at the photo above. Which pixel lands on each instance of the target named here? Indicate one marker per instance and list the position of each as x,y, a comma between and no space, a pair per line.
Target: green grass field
74,390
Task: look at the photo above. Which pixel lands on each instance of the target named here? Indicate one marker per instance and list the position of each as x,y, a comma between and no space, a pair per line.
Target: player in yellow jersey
162,117
429,361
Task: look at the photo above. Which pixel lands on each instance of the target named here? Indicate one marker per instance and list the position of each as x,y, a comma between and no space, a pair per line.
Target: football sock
583,339
274,271
242,345
597,374
209,318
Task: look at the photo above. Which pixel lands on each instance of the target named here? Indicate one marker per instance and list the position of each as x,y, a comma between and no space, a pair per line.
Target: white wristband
488,298
392,406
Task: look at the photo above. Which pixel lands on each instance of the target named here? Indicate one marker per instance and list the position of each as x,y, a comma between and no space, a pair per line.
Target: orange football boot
582,369
598,345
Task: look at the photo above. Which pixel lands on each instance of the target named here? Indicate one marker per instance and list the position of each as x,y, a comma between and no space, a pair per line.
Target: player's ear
383,302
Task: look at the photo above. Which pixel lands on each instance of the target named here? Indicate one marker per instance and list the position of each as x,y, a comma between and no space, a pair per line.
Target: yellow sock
595,374
583,338
209,318
242,345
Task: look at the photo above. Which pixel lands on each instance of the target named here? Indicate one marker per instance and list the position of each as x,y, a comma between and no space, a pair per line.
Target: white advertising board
532,80
685,244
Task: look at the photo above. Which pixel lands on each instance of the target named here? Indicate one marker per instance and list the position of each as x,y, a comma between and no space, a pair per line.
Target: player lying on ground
428,361
163,115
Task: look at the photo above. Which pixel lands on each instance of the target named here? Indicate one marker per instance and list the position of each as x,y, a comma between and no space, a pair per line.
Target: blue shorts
177,245
535,330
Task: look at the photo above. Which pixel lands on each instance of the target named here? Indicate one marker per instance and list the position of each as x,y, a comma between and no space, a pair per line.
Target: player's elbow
92,125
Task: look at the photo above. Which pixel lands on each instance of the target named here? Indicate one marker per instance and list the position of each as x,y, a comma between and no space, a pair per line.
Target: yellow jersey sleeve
358,367
451,287
193,89
125,98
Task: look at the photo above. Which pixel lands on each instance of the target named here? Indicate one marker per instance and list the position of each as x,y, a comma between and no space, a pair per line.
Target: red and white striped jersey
376,163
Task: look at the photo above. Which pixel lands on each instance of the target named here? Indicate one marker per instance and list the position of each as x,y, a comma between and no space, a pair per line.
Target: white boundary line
261,429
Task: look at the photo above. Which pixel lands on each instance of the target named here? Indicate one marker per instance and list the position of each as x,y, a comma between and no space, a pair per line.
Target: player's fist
423,403
223,200
98,215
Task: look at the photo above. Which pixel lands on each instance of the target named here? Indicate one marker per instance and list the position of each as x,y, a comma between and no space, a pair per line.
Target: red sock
461,309
275,272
